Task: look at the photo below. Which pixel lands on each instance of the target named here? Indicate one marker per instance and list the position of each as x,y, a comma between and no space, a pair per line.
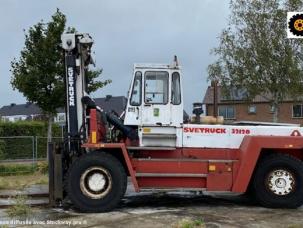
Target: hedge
2,149
22,148
27,128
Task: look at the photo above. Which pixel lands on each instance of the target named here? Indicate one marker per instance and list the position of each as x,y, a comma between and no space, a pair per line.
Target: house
14,112
235,107
29,111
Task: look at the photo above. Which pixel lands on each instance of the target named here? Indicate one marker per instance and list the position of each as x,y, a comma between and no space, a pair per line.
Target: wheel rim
281,182
95,182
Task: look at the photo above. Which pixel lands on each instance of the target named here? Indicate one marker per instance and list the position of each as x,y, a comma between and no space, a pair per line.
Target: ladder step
170,175
149,148
151,189
186,160
150,135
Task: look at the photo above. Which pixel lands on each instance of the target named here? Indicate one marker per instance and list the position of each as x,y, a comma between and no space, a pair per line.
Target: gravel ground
167,210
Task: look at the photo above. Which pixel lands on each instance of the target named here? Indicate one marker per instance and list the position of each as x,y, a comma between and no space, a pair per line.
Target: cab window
156,87
135,99
176,89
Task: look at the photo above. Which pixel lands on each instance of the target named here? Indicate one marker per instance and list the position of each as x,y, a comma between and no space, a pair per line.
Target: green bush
2,149
22,148
27,128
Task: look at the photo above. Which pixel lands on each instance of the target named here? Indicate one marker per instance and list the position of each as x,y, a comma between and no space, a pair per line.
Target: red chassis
222,170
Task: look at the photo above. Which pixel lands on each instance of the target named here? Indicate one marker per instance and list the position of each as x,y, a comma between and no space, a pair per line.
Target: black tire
80,173
286,172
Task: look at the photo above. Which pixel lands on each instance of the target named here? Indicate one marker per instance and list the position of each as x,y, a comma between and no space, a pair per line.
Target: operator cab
155,103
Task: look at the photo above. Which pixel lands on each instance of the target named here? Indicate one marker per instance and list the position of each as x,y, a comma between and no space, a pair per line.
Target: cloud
125,32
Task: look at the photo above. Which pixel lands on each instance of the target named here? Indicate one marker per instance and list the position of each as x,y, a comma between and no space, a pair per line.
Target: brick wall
263,113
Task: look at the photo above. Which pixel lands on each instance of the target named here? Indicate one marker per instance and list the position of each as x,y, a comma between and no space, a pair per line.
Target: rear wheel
278,181
96,182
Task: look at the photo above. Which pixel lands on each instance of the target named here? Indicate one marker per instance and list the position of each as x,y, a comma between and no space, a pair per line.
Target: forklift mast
77,49
77,54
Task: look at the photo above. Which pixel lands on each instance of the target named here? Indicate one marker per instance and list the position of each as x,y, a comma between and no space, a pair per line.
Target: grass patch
23,169
22,181
42,167
17,169
4,226
20,209
188,223
295,226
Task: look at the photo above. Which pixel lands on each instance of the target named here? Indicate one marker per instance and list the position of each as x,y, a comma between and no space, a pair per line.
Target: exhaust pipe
126,130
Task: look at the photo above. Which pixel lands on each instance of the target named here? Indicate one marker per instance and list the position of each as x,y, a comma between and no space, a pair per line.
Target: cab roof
156,66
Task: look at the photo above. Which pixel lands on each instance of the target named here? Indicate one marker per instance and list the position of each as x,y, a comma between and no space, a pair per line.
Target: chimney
214,84
13,104
108,97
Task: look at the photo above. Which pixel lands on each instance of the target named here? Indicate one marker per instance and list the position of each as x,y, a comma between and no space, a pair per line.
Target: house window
18,118
5,119
252,109
228,112
271,109
60,117
297,111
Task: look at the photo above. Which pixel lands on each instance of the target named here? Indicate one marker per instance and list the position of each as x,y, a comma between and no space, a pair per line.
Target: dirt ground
166,210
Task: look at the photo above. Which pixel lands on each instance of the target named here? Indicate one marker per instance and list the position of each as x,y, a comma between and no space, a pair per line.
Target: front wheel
96,182
278,181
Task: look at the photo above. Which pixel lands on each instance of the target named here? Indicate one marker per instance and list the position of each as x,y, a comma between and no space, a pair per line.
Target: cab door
134,104
156,102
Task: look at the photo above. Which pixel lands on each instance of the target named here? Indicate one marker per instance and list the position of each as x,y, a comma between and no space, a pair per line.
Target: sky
125,32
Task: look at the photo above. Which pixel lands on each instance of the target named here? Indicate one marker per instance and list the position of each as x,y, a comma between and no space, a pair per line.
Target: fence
17,147
41,145
24,147
19,154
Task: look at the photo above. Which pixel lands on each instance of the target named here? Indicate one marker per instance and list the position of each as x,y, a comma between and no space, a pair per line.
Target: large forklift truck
158,151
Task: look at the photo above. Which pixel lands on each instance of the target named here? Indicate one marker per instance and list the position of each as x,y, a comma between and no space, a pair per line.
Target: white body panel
160,137
150,118
228,136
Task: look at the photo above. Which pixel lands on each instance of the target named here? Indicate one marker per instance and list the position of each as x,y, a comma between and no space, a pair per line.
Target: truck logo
205,130
209,130
71,90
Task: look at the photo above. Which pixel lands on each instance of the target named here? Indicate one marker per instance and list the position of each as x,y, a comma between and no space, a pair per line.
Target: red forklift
153,147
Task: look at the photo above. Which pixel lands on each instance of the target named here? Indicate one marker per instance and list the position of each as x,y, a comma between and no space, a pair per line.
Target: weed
20,208
42,167
187,223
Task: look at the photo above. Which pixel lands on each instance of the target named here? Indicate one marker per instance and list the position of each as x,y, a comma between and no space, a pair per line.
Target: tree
254,53
39,72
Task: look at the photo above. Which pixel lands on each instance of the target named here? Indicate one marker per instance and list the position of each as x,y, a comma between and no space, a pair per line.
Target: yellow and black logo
295,25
